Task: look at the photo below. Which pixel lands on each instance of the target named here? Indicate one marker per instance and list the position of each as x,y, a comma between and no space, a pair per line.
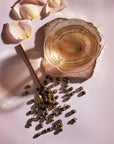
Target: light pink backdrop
95,111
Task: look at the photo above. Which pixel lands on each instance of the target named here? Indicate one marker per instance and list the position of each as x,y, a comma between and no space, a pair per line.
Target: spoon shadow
14,74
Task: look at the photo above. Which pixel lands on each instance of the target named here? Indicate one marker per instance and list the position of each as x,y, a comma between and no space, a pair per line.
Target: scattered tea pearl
56,97
55,91
70,113
45,82
72,121
81,93
27,87
36,135
30,102
58,131
79,89
47,76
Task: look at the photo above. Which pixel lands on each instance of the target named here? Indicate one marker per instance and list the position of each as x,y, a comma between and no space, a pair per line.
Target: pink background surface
95,110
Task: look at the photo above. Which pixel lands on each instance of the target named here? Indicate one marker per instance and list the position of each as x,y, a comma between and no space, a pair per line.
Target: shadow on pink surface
14,72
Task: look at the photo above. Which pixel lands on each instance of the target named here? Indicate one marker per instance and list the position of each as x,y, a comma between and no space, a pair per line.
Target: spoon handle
26,60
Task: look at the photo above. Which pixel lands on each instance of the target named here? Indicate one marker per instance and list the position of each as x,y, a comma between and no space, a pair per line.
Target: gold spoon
44,93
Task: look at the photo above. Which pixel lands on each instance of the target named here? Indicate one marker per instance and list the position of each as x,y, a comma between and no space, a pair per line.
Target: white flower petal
54,3
17,30
36,2
15,12
29,11
25,10
52,7
42,1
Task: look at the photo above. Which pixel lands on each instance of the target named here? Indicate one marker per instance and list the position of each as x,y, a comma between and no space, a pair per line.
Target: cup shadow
14,74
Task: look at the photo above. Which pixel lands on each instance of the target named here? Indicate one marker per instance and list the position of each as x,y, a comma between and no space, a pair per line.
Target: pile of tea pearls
46,95
45,114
